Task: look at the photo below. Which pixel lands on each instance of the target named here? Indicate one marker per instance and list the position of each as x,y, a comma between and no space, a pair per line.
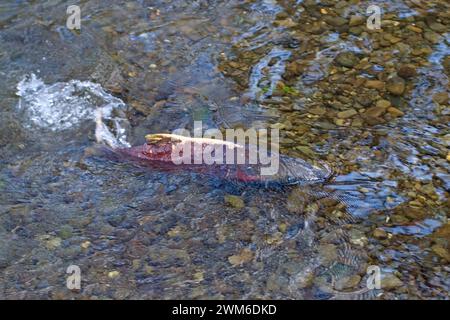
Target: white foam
65,105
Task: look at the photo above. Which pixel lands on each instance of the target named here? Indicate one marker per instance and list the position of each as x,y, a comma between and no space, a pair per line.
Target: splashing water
65,105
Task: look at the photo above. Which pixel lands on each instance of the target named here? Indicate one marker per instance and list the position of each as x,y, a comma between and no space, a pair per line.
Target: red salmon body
165,152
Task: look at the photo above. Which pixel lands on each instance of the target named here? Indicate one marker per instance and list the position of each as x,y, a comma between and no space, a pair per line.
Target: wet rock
356,30
347,59
116,217
318,111
50,242
442,235
347,282
414,29
234,201
407,71
347,114
441,98
286,23
403,214
364,100
389,281
396,85
328,253
395,112
294,69
441,252
438,27
276,282
296,201
8,253
306,279
358,237
65,232
335,21
10,130
380,234
433,37
374,112
392,39
246,255
356,20
374,84
446,64
85,244
113,274
383,104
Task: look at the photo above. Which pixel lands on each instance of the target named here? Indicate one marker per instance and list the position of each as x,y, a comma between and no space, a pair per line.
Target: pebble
347,282
441,252
328,253
380,234
113,274
396,85
347,114
286,23
347,59
390,281
433,37
383,104
318,111
414,29
85,244
375,112
441,98
407,71
356,20
438,27
374,84
234,201
335,21
395,112
244,256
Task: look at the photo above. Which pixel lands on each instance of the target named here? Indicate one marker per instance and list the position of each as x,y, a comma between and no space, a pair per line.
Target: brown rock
383,103
395,112
347,114
389,282
286,23
375,112
414,28
441,252
380,233
438,27
347,282
356,20
441,98
396,85
347,59
433,37
234,201
407,71
375,84
442,233
318,111
335,21
246,255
